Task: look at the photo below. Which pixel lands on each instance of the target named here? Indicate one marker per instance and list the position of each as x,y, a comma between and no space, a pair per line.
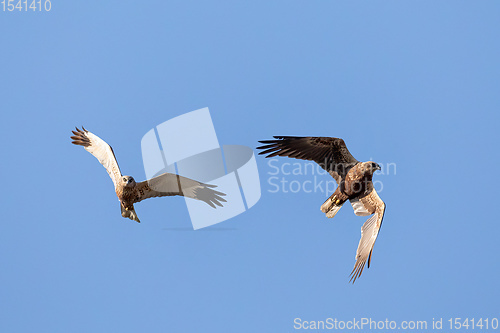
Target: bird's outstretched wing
100,149
169,184
369,231
330,153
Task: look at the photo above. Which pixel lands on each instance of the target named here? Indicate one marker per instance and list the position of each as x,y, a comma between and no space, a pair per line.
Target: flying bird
129,192
354,180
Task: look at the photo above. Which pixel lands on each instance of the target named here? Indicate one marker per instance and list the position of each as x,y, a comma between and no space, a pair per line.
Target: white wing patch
100,149
359,208
369,230
103,152
369,233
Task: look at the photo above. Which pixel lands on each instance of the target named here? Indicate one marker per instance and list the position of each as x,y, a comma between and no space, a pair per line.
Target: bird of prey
354,181
129,192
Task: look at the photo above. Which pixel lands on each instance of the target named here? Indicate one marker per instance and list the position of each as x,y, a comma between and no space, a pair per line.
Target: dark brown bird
354,179
129,192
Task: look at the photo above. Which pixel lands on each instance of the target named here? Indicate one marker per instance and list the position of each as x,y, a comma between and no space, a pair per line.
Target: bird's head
371,167
128,181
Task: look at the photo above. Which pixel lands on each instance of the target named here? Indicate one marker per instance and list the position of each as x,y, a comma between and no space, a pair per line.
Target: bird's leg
336,200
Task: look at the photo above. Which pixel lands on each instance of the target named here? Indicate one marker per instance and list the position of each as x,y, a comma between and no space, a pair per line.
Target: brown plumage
354,181
129,192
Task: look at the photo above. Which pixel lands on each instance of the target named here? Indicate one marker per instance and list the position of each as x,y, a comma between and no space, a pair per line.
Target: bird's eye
124,179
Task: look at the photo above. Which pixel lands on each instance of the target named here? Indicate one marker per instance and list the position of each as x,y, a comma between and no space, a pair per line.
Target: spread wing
169,184
372,204
330,153
100,149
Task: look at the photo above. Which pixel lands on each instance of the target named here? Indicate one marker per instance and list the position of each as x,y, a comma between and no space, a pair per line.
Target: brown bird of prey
129,192
354,181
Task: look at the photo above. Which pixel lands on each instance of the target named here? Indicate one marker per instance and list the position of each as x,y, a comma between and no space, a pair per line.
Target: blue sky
410,83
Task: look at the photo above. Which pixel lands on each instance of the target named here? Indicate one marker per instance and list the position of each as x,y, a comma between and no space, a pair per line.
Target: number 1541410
26,5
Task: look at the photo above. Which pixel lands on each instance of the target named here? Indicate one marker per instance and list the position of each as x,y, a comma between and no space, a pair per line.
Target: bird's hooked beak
129,181
375,167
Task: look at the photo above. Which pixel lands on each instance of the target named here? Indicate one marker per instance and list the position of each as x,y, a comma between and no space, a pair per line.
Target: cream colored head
128,181
370,167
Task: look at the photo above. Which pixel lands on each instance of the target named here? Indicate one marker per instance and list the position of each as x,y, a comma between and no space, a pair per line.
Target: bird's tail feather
130,214
330,208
